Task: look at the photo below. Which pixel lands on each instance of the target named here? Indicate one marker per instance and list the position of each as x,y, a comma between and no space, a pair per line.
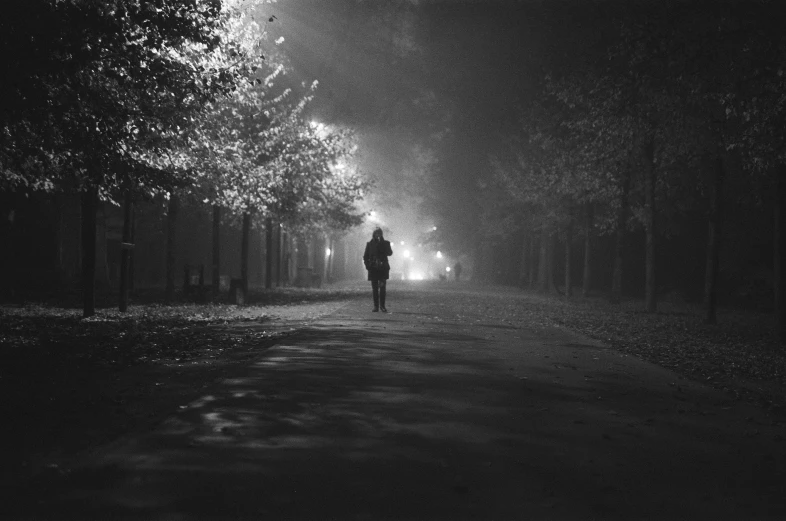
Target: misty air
392,260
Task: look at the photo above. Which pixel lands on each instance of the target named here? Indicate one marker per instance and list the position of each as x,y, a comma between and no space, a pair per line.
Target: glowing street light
439,254
406,254
402,243
327,252
447,268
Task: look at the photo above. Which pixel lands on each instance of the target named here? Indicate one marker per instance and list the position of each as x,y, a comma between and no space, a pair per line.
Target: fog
581,294
438,93
431,88
541,143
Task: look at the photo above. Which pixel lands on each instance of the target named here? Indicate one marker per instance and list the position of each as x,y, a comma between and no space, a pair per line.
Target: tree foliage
155,96
97,84
681,112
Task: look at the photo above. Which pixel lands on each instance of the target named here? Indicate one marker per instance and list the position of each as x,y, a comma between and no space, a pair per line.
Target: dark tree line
680,117
127,100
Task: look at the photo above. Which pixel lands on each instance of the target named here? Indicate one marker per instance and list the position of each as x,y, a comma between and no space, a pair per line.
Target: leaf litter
738,355
78,382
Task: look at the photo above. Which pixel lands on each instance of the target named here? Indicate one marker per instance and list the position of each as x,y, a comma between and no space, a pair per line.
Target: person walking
376,260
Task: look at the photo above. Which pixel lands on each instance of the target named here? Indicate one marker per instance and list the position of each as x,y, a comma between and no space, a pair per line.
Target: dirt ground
433,411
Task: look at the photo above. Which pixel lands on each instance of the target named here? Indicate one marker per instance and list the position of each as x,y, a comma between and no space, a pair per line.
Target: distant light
406,254
402,243
439,254
447,268
434,229
317,125
415,276
327,252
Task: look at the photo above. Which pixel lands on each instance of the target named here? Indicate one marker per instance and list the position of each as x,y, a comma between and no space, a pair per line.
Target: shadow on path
361,417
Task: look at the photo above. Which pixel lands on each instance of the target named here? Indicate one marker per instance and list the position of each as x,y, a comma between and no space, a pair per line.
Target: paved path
427,414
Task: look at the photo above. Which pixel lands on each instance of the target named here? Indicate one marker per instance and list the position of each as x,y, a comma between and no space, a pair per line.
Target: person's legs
375,294
382,288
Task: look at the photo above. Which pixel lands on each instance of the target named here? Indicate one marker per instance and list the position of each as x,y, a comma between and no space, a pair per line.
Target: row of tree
683,110
130,99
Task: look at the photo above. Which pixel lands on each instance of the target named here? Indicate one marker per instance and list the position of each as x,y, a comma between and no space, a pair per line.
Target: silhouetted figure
457,270
376,260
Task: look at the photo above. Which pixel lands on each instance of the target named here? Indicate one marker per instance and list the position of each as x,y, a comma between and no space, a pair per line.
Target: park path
431,412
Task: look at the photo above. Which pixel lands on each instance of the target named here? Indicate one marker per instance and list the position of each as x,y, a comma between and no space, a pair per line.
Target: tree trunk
132,253
650,295
488,263
89,210
102,270
279,241
328,246
171,230
286,257
586,280
533,260
339,252
544,264
302,252
244,252
125,251
61,242
524,267
779,257
301,261
551,270
331,259
568,259
619,247
276,255
320,259
345,269
268,253
713,242
216,281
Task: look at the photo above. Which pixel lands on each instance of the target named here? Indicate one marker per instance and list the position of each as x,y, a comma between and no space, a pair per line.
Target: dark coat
380,249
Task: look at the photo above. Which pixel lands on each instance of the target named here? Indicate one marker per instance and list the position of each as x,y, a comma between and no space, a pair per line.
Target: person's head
377,234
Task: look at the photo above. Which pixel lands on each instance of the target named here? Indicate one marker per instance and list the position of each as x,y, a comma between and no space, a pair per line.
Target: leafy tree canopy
94,84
